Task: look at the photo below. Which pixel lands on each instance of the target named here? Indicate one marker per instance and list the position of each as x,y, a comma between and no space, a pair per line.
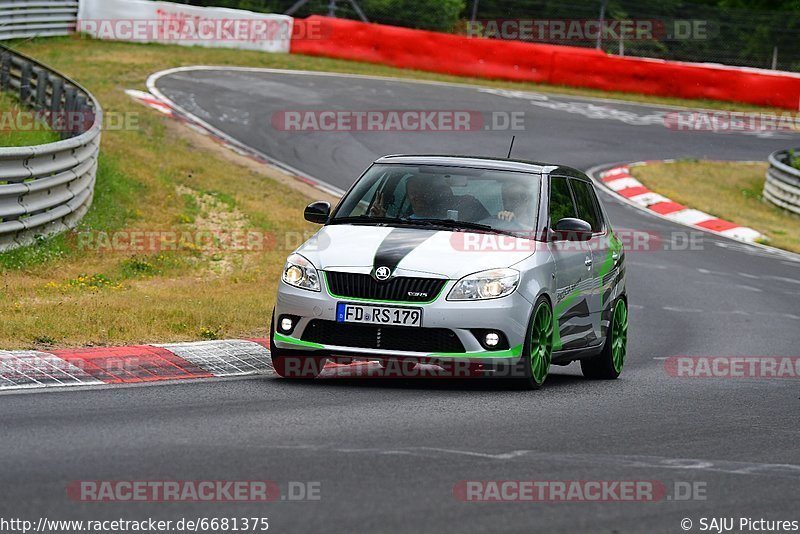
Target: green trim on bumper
294,341
513,352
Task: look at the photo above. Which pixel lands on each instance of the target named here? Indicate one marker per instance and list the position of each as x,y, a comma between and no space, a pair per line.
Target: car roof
478,162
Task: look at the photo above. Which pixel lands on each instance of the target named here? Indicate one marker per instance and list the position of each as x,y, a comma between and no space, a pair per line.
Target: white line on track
631,461
681,310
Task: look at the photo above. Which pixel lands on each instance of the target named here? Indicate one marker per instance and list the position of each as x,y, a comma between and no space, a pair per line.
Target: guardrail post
81,116
70,95
58,91
41,89
69,99
25,83
5,71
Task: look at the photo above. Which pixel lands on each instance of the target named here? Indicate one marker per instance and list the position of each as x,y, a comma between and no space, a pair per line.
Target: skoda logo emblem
383,273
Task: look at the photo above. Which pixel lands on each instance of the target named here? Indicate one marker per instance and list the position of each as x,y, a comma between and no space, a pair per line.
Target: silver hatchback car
506,266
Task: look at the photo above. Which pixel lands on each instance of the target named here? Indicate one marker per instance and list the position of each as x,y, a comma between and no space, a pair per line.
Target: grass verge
17,132
163,179
728,190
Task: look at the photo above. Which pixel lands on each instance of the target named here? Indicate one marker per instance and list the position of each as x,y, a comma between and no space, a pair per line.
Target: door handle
587,262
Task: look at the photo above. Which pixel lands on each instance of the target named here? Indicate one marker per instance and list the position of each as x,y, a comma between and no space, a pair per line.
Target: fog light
491,339
286,324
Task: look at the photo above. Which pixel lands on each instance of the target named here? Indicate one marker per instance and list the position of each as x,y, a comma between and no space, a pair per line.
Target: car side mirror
570,229
318,212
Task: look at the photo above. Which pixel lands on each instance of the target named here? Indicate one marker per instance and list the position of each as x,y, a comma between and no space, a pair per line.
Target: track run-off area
390,455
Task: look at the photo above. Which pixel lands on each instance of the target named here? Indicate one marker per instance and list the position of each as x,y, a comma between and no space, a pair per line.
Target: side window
561,204
587,206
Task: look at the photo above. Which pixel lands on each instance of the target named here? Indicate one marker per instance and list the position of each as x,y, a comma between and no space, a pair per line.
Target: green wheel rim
541,342
619,335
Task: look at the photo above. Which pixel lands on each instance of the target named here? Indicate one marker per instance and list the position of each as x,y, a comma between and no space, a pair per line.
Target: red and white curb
150,101
133,365
620,181
143,364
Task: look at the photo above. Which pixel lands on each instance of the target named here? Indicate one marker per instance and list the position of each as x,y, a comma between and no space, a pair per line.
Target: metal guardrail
46,189
37,18
782,187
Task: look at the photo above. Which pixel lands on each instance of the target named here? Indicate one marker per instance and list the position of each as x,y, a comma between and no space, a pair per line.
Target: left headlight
491,284
299,272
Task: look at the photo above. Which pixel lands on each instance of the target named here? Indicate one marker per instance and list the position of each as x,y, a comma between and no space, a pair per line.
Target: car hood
412,251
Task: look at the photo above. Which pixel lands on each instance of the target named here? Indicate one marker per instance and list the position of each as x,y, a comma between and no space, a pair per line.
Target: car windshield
457,197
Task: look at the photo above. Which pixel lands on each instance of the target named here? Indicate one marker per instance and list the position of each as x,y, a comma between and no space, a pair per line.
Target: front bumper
508,315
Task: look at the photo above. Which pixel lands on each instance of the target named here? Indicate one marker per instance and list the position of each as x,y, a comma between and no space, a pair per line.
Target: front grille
382,337
363,286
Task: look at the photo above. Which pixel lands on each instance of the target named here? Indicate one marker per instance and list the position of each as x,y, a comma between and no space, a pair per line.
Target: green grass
13,136
794,159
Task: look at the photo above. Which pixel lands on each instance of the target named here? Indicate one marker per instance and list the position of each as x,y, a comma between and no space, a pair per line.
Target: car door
573,275
588,209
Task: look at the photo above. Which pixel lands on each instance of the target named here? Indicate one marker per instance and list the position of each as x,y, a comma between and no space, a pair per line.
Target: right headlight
299,272
491,284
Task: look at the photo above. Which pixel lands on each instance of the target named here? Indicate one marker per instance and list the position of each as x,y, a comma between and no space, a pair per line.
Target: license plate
385,315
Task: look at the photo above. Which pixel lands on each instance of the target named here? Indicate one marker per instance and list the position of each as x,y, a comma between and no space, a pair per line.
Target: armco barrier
559,65
782,187
46,189
37,18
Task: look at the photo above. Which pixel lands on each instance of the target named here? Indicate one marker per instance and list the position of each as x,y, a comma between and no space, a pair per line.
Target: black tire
608,364
537,352
292,365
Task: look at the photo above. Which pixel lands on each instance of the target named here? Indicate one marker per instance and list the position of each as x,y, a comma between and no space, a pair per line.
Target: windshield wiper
355,219
364,219
462,225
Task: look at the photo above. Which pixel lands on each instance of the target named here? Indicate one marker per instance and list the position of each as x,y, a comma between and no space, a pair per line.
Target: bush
436,15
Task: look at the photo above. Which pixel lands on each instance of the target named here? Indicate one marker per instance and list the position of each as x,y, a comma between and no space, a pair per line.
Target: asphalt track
388,452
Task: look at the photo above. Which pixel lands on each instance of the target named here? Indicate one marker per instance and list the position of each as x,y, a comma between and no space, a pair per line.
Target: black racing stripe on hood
397,245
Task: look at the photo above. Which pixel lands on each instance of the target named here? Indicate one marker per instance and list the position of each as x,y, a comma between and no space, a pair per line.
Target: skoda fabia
506,266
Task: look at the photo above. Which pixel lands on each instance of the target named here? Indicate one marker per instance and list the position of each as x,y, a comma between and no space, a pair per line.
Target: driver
429,199
517,204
